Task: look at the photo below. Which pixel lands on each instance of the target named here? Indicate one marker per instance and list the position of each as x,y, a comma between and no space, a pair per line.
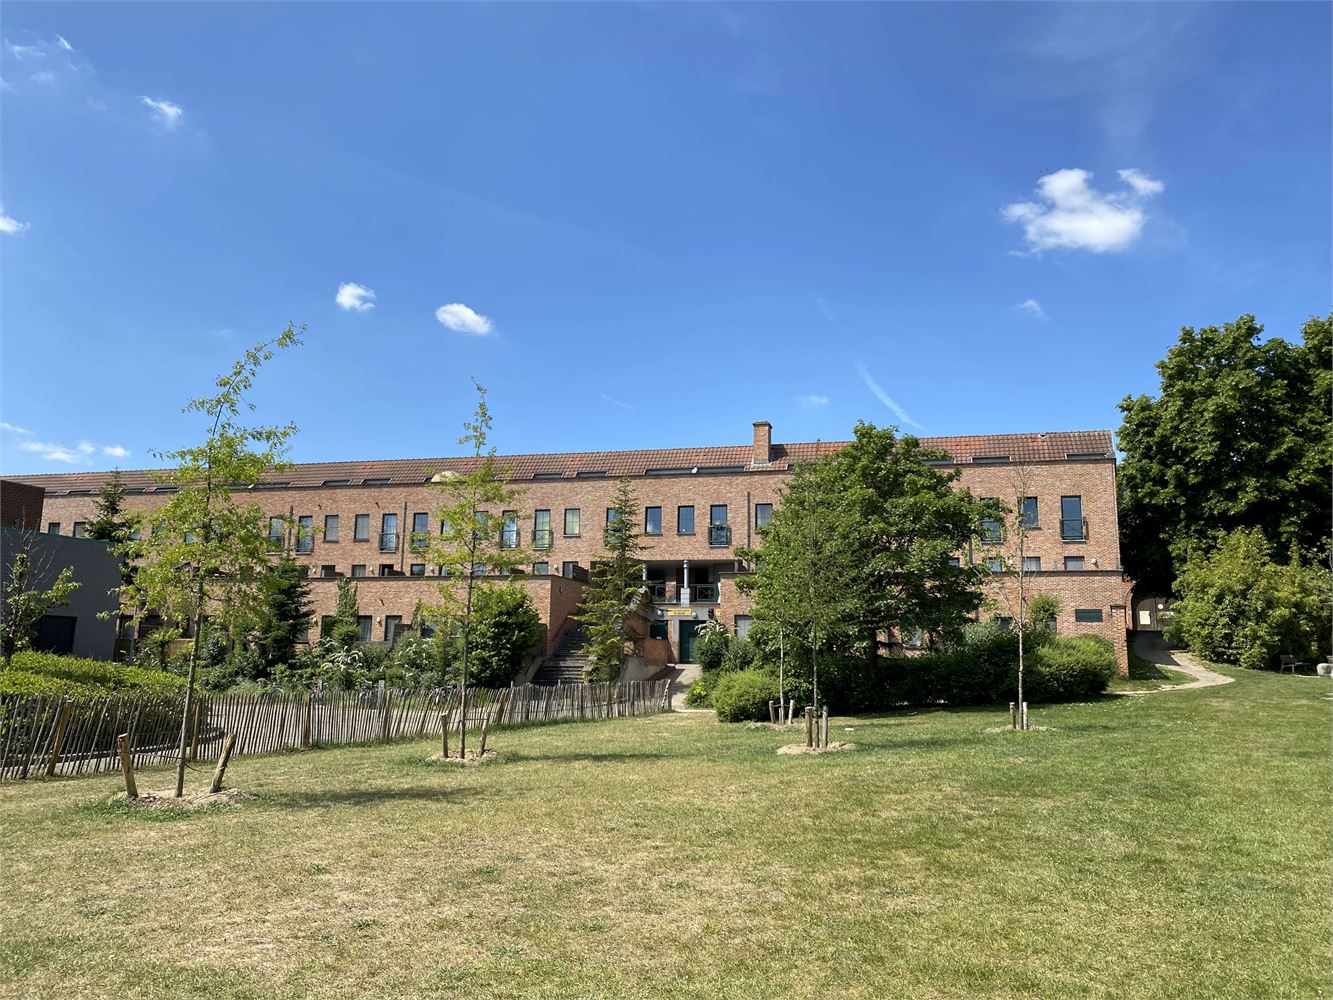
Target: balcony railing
658,591
509,538
541,538
719,534
705,593
1074,529
388,541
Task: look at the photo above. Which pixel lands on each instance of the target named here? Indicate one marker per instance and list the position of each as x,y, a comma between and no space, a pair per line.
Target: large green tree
617,586
475,543
206,550
286,615
1239,435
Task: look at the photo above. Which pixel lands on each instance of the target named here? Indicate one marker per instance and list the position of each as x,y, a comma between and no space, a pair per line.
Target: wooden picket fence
49,735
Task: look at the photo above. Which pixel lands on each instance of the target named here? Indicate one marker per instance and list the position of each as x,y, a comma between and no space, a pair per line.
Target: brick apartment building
366,520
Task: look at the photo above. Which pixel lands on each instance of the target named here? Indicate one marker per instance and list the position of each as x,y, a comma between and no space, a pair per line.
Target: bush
697,695
740,655
711,646
33,673
1067,669
506,632
744,695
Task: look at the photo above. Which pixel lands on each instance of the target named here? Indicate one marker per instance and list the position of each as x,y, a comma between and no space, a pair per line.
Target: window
1029,512
389,533
420,530
305,533
135,534
337,482
80,529
995,564
652,520
276,529
991,529
685,520
742,626
567,569
392,623
386,569
189,538
328,569
718,531
358,569
572,515
541,529
330,527
417,569
612,515
1073,563
325,626
763,513
914,639
361,528
377,481
1087,614
955,561
1032,564
53,528
509,530
1072,528
541,568
364,622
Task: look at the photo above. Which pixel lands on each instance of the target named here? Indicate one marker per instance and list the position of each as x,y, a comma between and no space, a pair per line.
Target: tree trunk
462,691
188,709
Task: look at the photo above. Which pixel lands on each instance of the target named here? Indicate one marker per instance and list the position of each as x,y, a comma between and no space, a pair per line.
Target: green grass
1168,846
1146,676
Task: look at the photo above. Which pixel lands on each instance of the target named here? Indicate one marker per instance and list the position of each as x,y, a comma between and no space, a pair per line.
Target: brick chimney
763,443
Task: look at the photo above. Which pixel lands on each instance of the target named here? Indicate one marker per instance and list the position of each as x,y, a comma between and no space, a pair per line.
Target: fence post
216,786
194,739
59,741
1013,715
809,726
448,716
307,730
126,765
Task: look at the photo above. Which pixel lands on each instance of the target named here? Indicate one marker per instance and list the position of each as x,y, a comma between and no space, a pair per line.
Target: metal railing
541,538
705,593
509,538
1074,529
719,534
657,591
388,541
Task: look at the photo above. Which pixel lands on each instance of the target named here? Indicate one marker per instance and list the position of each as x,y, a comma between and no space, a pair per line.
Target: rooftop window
337,482
590,474
992,459
377,481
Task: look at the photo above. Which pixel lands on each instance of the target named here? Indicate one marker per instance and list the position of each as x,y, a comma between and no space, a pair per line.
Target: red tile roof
1045,447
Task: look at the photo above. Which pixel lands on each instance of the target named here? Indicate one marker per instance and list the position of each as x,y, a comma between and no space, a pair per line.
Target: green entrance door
689,633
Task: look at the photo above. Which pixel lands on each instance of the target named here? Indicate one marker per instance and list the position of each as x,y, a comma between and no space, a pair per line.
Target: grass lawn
1146,676
1171,845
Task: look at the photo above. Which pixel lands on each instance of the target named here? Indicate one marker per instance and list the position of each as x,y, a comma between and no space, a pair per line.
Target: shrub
697,695
744,695
506,631
418,662
1043,610
740,655
1067,668
711,646
33,673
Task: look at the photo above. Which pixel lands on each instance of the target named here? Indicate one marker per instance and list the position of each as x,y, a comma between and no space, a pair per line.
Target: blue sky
640,225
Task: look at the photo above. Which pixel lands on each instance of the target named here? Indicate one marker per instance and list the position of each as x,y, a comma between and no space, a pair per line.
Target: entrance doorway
689,635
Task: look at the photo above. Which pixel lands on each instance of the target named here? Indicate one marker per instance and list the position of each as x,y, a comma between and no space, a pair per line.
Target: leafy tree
1239,435
26,600
287,613
616,588
344,632
473,542
506,632
206,549
1240,606
111,524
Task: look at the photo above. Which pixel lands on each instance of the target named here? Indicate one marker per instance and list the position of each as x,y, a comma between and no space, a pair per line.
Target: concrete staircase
566,665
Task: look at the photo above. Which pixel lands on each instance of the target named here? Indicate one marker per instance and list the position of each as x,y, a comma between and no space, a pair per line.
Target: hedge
744,695
32,673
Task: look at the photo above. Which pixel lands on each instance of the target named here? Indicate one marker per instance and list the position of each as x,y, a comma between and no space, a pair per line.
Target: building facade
370,520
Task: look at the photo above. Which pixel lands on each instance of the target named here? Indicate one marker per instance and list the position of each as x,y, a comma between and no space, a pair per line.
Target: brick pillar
763,443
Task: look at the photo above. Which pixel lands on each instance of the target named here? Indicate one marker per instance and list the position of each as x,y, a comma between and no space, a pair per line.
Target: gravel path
1151,647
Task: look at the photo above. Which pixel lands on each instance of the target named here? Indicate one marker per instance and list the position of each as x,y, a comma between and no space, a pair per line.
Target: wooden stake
445,729
306,728
126,765
824,742
58,742
485,730
222,764
772,716
1013,715
194,739
1024,716
809,726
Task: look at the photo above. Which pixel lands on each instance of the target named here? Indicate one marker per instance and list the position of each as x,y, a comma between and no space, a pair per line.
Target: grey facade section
96,570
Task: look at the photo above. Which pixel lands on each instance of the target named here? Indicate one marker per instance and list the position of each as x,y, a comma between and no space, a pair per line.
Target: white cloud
25,51
10,225
1073,215
884,397
811,402
457,316
354,297
115,451
164,112
60,40
45,76
1034,307
6,426
53,451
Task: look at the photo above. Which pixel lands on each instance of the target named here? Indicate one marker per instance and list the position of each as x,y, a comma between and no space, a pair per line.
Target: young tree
111,524
506,631
1012,526
287,613
475,543
617,586
344,632
26,596
206,549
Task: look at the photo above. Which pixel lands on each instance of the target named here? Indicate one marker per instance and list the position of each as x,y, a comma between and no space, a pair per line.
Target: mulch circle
800,748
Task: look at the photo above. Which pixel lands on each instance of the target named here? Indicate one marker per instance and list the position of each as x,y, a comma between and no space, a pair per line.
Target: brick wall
21,505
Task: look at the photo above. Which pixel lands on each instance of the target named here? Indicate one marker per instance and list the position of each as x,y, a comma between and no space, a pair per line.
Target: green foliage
343,631
74,677
1239,435
616,588
506,632
740,655
418,662
1043,610
25,600
1240,606
1069,669
287,613
710,647
697,695
744,695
